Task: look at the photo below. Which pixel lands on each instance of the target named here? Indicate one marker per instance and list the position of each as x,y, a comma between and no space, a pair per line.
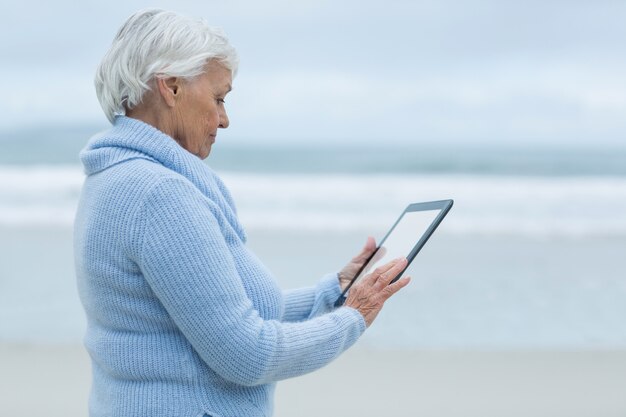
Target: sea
531,256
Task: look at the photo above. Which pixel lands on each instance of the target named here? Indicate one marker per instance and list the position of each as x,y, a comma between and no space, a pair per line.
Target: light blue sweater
183,319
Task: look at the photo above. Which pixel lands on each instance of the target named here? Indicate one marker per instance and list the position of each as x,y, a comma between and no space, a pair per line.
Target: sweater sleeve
185,259
305,303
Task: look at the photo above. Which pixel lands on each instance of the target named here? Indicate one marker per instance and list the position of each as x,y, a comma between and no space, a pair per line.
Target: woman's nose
224,122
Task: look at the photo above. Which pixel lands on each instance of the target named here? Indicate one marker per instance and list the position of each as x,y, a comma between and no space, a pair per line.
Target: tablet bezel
443,206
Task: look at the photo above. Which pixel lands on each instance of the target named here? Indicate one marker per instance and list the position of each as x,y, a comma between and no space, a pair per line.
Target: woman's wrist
343,280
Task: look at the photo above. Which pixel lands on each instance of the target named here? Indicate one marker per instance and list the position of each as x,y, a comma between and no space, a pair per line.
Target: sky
549,72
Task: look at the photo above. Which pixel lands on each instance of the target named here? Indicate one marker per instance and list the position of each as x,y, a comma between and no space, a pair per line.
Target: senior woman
183,319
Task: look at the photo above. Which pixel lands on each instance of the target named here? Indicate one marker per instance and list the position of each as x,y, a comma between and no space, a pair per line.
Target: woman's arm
184,256
308,302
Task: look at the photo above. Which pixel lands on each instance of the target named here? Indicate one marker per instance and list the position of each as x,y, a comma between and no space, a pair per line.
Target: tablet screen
406,237
402,238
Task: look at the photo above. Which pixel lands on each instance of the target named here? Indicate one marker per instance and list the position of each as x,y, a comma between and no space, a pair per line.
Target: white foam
39,195
534,206
489,205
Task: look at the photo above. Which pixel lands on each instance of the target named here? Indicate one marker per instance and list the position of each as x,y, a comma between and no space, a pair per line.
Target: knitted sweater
183,319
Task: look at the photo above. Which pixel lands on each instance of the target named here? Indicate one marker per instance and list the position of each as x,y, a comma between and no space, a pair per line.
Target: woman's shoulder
134,184
145,177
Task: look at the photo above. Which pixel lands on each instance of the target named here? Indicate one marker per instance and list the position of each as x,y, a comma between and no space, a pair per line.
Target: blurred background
343,113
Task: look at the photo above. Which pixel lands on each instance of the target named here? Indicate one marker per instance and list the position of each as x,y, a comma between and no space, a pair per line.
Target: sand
54,381
461,384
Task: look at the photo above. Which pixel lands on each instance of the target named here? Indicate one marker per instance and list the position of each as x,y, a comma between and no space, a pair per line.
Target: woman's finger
391,289
374,277
386,277
382,251
366,252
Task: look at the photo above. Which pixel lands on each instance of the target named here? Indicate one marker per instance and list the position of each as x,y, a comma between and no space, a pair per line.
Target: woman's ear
169,89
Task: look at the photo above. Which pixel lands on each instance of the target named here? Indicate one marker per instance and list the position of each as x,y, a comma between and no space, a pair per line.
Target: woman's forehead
219,75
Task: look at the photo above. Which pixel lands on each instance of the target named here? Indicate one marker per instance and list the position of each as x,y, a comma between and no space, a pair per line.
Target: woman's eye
221,101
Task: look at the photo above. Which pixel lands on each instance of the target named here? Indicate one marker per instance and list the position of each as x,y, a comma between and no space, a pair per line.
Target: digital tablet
405,238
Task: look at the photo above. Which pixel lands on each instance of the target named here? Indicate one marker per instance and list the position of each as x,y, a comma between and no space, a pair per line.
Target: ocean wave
369,203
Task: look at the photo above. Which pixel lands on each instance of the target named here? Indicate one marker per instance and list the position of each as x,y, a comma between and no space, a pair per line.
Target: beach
366,382
339,115
489,341
468,292
516,307
514,110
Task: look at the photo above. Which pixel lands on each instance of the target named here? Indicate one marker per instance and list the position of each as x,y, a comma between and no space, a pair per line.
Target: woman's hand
370,293
349,271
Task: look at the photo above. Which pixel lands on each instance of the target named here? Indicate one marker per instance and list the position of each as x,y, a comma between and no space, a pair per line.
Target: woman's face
200,109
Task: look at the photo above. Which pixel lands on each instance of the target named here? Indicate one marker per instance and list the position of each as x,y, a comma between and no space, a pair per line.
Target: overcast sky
477,71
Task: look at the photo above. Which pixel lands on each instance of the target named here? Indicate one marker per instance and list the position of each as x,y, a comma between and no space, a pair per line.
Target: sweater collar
130,138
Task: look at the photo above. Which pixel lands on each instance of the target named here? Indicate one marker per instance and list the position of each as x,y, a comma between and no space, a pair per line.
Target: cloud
507,101
552,102
56,96
544,71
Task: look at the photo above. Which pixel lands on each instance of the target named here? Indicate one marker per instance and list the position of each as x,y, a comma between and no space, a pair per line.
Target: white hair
155,43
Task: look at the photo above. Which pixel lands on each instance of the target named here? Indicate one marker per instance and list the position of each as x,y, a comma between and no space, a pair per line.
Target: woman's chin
204,152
